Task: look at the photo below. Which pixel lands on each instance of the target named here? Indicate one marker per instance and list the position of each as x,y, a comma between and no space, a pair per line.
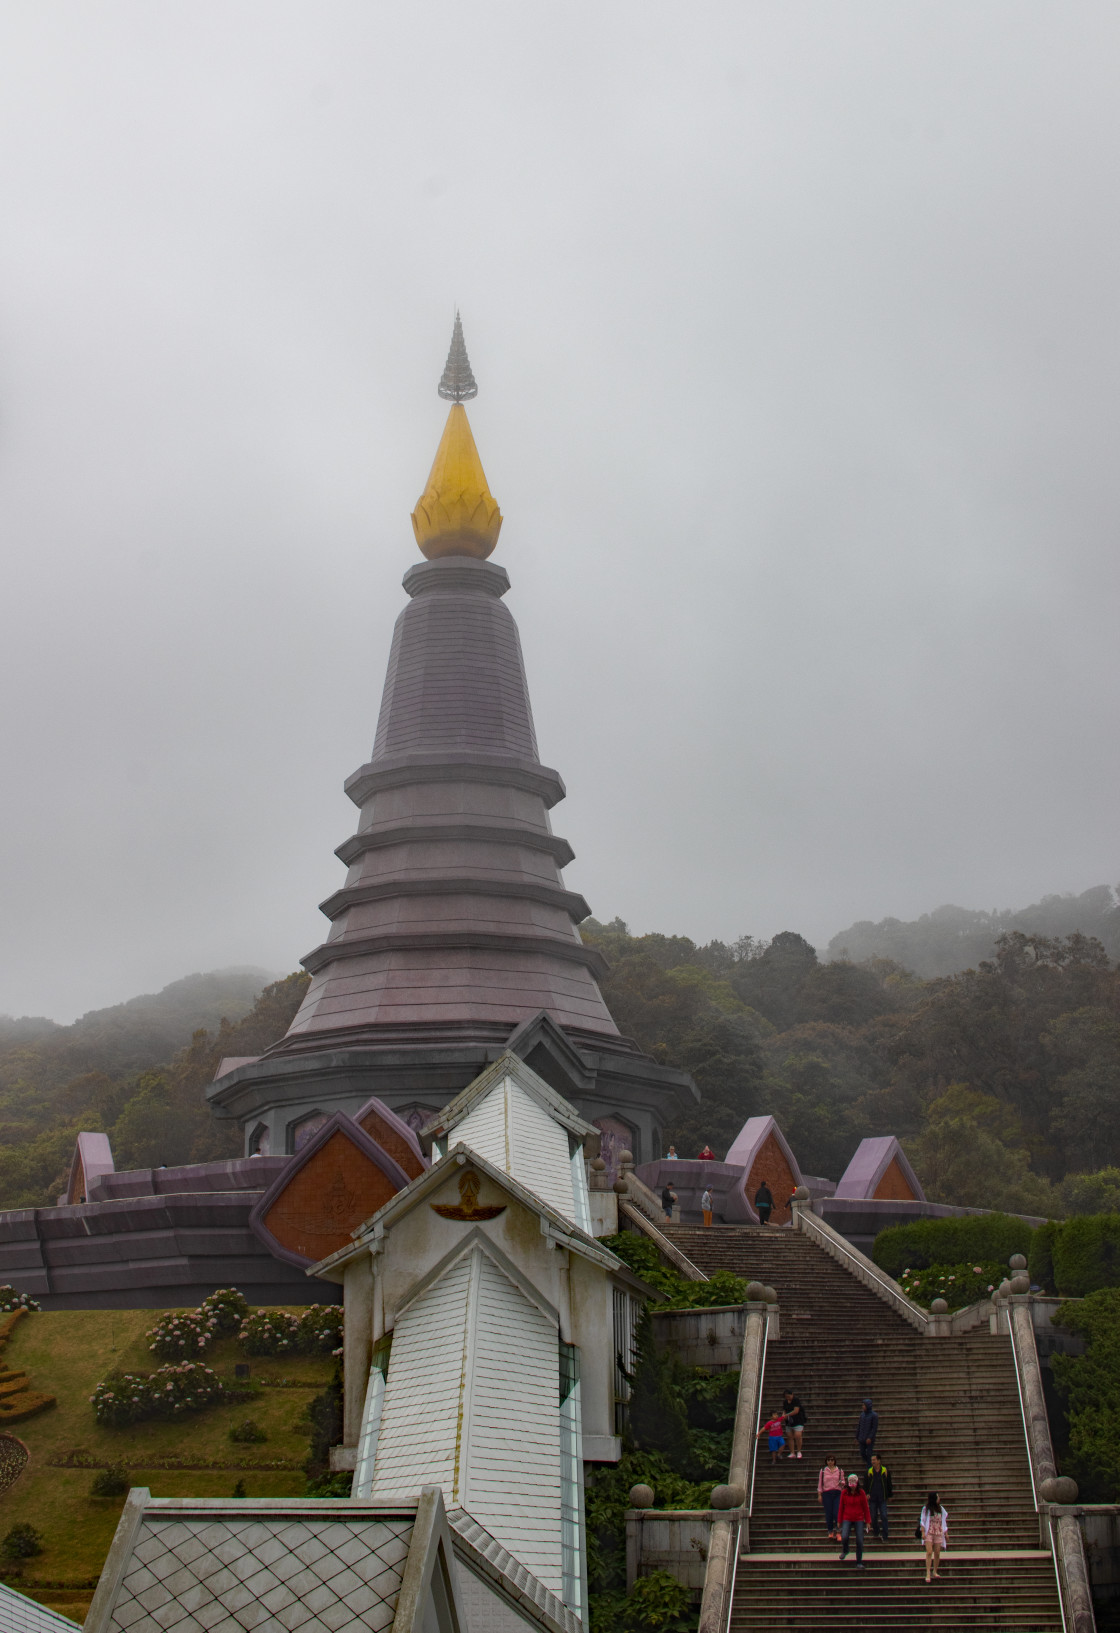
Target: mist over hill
951,939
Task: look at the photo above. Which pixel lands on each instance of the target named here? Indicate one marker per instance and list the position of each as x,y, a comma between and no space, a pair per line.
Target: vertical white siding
421,1418
513,1462
517,1135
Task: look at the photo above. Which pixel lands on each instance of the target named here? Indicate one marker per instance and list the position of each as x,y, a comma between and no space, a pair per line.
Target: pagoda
453,938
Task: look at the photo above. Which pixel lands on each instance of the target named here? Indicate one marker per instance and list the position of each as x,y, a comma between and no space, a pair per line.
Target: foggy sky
796,333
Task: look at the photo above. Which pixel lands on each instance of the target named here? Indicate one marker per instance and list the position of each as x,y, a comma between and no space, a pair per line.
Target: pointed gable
393,1135
762,1152
880,1171
522,1126
336,1181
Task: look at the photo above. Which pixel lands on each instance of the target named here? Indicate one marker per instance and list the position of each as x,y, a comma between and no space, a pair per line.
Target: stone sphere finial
1059,1488
939,1307
598,1166
1017,1262
1020,1283
801,1194
756,1293
728,1496
626,1159
1004,1289
641,1496
770,1295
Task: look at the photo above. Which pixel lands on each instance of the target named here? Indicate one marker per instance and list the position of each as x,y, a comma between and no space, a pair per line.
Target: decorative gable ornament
760,1152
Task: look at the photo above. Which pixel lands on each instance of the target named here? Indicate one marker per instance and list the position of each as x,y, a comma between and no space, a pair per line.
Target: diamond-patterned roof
197,1574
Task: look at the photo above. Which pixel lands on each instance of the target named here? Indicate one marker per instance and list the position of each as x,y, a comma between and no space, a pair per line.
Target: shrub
11,1300
337,1484
320,1329
130,1397
1040,1261
957,1284
247,1433
22,1542
1090,1386
239,1489
182,1335
270,1332
1086,1254
227,1308
110,1482
644,1259
969,1238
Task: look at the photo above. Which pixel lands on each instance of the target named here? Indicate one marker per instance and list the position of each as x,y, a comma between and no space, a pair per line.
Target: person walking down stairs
830,1485
879,1487
854,1515
866,1429
794,1414
934,1527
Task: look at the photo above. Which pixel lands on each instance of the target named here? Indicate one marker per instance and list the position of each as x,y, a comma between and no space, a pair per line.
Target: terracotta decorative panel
771,1165
894,1186
327,1198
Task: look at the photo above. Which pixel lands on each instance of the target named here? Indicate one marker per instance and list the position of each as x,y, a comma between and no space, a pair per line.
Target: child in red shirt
774,1428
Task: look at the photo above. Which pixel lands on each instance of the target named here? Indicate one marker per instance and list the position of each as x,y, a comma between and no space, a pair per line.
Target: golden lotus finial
457,515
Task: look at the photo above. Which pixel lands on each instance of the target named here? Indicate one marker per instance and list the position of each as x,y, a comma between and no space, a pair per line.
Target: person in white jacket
934,1525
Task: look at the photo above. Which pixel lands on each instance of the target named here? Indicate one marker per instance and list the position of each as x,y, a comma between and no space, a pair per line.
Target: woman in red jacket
854,1511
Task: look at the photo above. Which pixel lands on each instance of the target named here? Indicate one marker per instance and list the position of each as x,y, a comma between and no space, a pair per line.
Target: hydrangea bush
130,1397
317,1331
270,1332
957,1284
228,1308
11,1300
183,1335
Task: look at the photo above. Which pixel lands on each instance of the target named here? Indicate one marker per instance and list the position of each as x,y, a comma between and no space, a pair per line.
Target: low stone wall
711,1338
1100,1527
669,1539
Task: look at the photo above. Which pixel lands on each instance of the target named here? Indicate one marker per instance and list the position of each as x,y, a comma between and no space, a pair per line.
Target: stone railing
709,1337
668,1250
731,1528
1054,1496
929,1324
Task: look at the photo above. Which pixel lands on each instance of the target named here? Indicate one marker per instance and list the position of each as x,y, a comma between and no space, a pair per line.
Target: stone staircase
949,1419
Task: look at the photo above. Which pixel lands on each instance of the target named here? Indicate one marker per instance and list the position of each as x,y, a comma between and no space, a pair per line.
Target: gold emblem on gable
468,1204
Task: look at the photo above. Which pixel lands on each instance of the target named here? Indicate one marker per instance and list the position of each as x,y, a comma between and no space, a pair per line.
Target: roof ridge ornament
458,382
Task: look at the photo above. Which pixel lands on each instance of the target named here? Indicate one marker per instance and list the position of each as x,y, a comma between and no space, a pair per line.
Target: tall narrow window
371,1418
624,1320
573,1564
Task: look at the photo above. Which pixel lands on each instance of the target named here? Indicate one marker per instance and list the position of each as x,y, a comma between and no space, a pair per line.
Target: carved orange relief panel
330,1196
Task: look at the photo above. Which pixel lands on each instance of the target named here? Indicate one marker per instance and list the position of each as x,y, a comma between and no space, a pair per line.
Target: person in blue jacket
866,1429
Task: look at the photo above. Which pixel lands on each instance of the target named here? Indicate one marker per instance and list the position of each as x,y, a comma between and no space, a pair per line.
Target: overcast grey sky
796,333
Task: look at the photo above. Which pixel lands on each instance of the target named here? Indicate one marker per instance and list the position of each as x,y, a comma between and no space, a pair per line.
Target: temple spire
457,515
458,382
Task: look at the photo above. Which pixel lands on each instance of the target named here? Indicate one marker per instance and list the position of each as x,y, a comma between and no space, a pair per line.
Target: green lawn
65,1354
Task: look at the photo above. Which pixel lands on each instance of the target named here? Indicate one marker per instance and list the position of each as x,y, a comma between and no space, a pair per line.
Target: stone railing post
731,1529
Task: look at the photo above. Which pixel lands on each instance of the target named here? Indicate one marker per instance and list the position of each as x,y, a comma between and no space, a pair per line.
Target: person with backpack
763,1203
830,1484
879,1488
933,1526
866,1429
853,1514
668,1202
795,1420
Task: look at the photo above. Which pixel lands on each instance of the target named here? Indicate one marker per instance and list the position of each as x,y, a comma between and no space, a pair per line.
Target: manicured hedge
977,1237
1086,1254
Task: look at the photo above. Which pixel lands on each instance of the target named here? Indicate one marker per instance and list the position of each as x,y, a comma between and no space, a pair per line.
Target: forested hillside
138,1071
956,938
1002,1081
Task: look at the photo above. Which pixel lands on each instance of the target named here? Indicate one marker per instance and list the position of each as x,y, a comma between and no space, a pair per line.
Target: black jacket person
763,1202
